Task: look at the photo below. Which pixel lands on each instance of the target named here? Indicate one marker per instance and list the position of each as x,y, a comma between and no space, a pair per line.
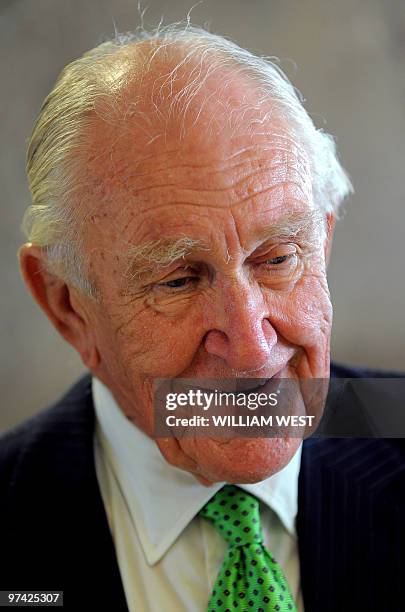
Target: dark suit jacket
54,532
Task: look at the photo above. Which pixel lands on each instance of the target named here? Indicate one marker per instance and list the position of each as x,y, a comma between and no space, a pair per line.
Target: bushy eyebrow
308,226
145,258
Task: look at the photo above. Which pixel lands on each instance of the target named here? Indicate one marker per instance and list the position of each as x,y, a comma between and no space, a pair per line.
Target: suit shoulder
376,465
342,370
34,432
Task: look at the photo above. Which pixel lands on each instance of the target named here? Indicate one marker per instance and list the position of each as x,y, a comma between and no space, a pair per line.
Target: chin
240,460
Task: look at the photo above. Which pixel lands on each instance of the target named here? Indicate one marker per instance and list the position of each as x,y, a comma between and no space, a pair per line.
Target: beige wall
350,65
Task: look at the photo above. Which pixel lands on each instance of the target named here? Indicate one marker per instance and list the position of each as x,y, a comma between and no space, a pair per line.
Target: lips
240,385
261,385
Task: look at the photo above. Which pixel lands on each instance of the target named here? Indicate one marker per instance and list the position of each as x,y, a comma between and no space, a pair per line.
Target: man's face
250,299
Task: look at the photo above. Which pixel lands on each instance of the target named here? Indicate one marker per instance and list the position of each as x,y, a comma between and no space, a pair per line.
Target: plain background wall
349,64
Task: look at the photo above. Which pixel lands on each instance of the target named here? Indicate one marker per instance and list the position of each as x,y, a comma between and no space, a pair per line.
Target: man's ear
330,226
62,304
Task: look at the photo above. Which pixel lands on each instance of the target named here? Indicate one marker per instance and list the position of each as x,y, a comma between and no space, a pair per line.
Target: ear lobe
330,227
54,297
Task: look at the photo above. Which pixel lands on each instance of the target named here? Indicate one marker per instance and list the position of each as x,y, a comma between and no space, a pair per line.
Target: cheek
156,345
303,317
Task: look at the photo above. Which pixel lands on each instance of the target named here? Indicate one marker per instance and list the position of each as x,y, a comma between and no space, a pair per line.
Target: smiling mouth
231,385
261,385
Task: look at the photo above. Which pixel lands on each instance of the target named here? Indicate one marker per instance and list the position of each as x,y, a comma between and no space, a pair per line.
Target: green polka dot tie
249,578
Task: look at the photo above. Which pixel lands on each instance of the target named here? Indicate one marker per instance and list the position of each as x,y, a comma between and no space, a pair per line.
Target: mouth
239,385
259,385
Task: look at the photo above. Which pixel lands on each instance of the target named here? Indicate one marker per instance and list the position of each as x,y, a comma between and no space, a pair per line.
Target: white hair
59,133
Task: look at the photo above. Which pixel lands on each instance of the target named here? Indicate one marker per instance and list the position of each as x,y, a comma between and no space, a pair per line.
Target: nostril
269,332
267,328
215,342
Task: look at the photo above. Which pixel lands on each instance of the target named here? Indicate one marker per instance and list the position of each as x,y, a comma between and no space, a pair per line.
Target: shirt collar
162,499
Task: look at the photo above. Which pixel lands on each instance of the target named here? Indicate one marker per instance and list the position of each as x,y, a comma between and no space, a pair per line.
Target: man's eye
278,260
178,283
280,267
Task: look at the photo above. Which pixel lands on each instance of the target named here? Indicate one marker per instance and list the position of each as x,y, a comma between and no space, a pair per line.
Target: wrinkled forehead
193,123
132,167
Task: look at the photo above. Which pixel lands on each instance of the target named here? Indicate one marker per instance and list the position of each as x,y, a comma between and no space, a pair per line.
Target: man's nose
241,333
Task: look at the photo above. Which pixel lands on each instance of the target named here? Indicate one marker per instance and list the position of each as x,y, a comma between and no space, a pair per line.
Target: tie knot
235,515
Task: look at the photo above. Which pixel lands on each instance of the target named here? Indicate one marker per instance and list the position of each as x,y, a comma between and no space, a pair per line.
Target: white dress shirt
168,557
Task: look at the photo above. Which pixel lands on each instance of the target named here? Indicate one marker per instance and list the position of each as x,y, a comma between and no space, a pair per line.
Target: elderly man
182,217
